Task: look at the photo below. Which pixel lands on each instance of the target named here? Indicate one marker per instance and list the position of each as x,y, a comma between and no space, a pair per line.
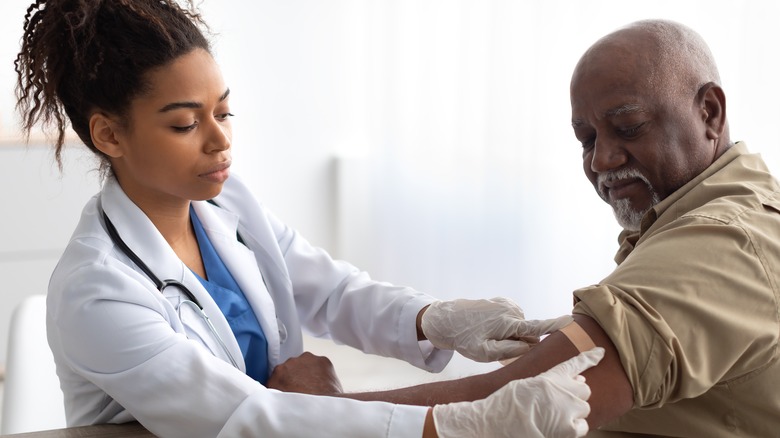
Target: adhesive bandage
578,337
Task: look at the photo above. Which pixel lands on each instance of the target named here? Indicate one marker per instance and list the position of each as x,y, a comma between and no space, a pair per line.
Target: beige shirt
692,307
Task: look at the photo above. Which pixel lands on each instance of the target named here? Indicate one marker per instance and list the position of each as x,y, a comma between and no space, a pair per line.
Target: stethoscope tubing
162,284
159,284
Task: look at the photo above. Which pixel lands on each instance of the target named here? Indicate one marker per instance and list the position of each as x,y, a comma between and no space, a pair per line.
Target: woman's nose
220,136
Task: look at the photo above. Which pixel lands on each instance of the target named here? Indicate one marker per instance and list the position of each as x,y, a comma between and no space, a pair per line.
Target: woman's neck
175,225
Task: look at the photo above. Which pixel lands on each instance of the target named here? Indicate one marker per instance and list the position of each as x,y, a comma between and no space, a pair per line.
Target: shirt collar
628,239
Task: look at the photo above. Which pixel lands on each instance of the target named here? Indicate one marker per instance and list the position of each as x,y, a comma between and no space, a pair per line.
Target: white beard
627,216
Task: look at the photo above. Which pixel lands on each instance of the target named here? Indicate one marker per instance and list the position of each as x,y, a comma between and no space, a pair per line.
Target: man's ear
712,102
104,131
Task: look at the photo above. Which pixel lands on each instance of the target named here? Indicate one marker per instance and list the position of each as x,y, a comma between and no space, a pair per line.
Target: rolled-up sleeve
693,305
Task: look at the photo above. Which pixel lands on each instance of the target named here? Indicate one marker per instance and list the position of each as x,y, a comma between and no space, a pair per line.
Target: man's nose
608,154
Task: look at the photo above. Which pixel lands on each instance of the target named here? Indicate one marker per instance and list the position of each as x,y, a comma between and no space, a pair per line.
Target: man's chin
627,216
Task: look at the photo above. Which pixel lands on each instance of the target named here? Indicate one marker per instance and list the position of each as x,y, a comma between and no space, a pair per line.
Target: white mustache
617,175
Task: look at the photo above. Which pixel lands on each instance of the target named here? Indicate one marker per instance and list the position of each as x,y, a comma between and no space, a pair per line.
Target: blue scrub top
233,303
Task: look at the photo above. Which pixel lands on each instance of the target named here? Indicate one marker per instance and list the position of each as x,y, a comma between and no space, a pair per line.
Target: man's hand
484,330
308,374
552,404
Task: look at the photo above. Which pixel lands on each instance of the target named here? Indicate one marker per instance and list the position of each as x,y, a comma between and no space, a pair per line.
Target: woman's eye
224,116
187,128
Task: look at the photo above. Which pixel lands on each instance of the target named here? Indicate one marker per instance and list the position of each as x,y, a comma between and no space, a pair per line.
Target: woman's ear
104,132
713,109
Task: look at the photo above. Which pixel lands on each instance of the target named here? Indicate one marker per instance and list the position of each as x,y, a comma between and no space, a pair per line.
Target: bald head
674,58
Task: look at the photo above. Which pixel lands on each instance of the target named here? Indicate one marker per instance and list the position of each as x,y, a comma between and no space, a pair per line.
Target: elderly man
692,307
690,317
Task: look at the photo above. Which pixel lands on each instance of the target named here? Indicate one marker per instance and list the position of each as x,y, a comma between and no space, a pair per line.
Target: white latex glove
485,330
550,405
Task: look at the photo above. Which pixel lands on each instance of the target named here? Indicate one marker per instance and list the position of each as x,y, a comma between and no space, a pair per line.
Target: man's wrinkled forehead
615,75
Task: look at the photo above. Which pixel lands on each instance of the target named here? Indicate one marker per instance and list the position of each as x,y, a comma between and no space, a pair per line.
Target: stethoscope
191,301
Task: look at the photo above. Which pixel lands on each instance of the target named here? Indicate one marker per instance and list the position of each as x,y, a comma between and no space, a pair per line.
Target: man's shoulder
737,191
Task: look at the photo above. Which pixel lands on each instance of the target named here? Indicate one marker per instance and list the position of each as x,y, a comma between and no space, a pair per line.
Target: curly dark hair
82,56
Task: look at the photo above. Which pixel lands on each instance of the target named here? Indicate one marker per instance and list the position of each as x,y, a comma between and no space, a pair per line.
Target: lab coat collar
143,238
139,233
260,236
221,227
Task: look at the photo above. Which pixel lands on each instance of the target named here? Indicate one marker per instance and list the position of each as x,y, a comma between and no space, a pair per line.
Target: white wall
40,210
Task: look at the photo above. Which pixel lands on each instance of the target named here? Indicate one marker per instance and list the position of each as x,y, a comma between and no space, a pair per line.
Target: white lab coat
123,353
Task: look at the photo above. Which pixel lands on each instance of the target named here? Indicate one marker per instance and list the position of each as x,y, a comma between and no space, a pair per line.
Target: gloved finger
576,409
574,385
539,327
580,427
507,305
530,340
485,307
577,395
577,364
556,324
493,350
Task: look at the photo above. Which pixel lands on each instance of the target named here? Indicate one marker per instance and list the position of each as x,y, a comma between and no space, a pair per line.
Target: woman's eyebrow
191,105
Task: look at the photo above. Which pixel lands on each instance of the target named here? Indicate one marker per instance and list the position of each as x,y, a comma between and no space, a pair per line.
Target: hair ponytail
82,56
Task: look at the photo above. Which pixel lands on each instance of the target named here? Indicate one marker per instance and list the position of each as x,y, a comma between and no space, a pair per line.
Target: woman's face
176,146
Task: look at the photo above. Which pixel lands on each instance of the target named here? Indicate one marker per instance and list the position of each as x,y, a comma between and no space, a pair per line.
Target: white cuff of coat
421,354
407,421
271,413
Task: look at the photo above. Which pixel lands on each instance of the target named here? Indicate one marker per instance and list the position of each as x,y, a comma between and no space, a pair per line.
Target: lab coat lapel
221,226
143,238
217,318
139,233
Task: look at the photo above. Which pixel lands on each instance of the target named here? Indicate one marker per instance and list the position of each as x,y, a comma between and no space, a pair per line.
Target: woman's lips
219,173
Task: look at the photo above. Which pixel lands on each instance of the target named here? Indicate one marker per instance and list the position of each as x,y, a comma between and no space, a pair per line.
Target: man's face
640,141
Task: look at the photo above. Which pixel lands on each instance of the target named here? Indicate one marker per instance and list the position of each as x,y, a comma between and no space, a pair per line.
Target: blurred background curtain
446,128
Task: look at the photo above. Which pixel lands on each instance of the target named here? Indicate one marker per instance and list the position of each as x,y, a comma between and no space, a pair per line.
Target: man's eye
630,131
588,143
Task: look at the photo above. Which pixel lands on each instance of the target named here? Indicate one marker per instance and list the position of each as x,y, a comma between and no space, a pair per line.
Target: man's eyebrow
629,108
192,105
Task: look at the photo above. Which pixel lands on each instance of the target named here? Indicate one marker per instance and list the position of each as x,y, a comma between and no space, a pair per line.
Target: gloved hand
550,405
484,330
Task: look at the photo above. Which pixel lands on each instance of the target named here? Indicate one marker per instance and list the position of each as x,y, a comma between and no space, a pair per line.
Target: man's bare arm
611,397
